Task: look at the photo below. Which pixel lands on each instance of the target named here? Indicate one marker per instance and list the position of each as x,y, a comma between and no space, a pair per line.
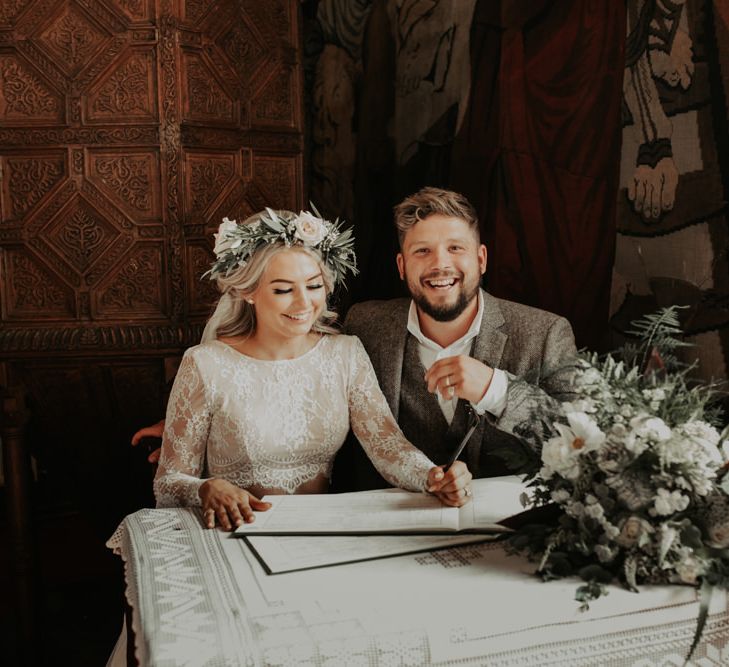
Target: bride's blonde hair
234,316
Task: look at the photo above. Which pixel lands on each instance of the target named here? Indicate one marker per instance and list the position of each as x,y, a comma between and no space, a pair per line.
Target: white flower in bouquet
561,454
627,411
669,502
705,438
585,405
628,438
589,378
654,395
638,471
650,428
633,530
560,496
689,567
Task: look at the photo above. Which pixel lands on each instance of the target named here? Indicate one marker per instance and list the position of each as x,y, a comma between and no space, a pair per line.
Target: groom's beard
443,312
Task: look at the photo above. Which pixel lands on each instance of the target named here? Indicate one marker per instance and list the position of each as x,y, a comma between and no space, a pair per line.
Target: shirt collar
473,330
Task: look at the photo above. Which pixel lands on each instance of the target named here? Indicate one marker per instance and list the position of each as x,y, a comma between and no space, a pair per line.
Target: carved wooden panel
10,9
131,179
134,289
26,98
32,292
127,92
29,177
128,129
71,37
204,97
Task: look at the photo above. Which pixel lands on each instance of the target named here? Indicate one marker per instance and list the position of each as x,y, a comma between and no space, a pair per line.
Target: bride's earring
250,301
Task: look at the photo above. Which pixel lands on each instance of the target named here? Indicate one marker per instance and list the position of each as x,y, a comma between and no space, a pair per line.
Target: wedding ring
467,492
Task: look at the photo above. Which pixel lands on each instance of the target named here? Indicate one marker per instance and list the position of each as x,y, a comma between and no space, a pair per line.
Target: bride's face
290,296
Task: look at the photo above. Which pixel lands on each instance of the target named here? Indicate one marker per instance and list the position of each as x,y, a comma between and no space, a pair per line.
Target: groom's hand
461,376
452,487
154,431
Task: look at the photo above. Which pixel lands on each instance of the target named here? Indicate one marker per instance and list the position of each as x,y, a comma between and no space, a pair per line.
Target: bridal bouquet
634,464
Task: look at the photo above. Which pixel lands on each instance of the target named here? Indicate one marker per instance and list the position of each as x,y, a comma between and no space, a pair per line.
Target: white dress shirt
494,400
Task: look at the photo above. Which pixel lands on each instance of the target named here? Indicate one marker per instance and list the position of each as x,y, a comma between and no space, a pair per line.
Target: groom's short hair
429,201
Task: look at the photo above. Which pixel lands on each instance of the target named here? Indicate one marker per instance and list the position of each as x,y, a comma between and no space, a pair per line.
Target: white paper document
285,553
389,512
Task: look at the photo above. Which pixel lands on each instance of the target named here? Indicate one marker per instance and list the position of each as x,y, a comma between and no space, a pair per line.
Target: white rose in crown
309,229
223,242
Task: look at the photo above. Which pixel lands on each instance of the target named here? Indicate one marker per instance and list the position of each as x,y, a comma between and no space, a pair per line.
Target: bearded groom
452,347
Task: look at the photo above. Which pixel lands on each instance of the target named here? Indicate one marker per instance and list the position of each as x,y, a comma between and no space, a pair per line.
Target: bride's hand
229,505
452,487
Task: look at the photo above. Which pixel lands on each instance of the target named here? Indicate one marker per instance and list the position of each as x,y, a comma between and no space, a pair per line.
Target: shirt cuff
494,400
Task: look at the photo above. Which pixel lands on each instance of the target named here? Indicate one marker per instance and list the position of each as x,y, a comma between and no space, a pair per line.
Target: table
200,597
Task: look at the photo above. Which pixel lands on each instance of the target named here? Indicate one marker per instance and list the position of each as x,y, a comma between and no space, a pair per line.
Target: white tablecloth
199,597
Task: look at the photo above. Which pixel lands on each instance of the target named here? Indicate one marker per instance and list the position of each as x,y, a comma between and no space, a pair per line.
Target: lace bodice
277,424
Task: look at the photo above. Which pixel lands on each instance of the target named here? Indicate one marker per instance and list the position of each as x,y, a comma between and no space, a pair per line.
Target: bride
264,403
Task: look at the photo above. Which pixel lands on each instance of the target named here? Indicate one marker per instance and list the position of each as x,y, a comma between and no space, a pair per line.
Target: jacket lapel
488,346
393,342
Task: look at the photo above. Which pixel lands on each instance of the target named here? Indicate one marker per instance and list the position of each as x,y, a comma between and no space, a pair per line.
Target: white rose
651,428
559,456
310,229
223,242
719,536
631,531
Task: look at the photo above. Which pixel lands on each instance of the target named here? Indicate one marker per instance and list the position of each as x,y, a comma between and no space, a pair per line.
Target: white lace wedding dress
277,424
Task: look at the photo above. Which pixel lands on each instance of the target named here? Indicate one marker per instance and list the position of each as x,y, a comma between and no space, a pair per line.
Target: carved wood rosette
128,129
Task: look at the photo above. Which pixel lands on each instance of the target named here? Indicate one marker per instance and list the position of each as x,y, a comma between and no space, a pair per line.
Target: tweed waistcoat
420,416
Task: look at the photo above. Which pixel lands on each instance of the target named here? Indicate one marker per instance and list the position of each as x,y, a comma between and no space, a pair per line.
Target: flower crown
235,244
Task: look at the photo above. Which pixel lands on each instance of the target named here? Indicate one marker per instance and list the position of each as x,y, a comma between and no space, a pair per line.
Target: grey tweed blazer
535,348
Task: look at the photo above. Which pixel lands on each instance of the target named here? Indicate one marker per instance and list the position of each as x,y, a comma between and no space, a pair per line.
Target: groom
453,347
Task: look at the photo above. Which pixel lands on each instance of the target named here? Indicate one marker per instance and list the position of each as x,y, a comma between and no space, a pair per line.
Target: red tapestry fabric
539,149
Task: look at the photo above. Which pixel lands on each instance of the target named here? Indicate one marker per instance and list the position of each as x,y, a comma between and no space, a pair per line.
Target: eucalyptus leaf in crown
635,468
235,243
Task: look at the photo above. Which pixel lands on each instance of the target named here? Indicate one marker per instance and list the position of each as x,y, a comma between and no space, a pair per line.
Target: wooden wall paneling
128,129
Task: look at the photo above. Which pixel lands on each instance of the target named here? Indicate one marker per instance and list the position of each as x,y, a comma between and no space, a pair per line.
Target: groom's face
442,262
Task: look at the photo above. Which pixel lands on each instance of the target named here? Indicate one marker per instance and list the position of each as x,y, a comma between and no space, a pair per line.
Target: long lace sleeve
184,440
397,460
